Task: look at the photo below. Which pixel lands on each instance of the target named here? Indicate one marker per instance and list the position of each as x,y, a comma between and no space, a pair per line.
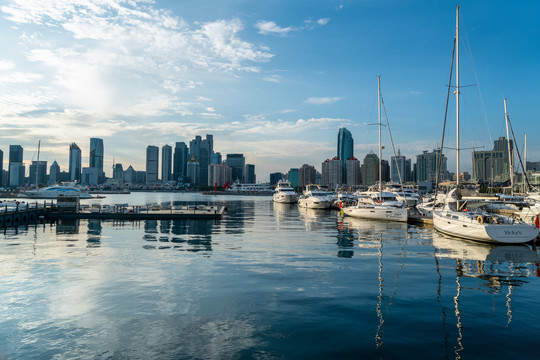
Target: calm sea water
267,281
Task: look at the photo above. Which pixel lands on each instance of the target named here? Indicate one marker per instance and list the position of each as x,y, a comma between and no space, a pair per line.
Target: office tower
96,157
130,175
307,175
493,165
90,176
292,176
166,163
38,173
15,159
426,166
250,174
401,162
237,162
385,170
118,173
370,169
75,167
152,164
16,174
332,172
345,149
354,176
1,168
276,177
54,173
216,158
193,171
219,175
203,151
181,157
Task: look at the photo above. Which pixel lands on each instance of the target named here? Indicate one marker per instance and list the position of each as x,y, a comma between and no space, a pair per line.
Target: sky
274,80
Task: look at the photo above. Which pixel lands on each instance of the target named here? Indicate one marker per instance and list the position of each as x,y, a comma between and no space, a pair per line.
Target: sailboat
377,209
452,216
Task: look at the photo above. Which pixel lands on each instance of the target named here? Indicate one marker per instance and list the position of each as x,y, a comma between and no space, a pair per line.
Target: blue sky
274,80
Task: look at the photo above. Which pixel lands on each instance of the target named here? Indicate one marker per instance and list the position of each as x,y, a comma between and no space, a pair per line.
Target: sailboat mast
457,96
380,149
510,153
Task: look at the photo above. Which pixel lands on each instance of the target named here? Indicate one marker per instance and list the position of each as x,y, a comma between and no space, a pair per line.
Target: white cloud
323,100
6,65
19,77
270,27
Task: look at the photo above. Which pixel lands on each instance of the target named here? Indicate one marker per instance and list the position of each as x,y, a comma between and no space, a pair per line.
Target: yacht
407,196
284,193
315,198
52,192
453,218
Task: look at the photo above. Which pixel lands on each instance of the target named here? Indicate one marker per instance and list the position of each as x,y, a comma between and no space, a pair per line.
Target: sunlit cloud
323,100
270,27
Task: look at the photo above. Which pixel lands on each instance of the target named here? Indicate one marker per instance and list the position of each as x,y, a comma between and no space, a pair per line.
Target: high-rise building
75,167
493,165
152,164
216,158
193,171
219,175
118,173
345,149
130,176
203,151
398,162
426,166
276,177
181,157
38,173
332,172
307,175
354,176
96,157
370,169
1,168
237,162
250,174
166,163
16,160
54,173
292,176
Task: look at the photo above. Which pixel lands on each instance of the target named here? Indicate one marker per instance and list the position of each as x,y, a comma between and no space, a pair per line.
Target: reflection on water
263,282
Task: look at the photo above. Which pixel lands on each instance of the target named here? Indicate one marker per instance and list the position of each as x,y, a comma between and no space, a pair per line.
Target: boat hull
314,203
375,212
284,198
491,233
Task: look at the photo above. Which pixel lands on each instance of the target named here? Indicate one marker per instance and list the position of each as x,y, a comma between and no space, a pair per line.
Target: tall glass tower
345,145
74,162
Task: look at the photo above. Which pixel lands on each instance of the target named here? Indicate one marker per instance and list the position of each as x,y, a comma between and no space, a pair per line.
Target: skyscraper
370,169
250,174
181,157
96,157
237,162
152,164
401,162
193,171
426,166
203,151
75,168
38,173
166,163
307,175
494,164
15,161
345,149
354,176
332,172
54,173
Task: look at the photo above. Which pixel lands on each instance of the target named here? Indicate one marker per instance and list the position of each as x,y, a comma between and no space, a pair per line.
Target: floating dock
14,213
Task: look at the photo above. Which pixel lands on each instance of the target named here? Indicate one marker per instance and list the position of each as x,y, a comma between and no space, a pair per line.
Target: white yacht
405,195
284,193
315,198
453,218
52,192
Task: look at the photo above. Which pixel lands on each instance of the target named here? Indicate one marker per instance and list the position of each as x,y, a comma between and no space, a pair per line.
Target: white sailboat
377,209
453,218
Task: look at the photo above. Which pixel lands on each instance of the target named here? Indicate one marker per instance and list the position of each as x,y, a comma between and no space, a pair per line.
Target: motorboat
52,192
284,193
405,195
314,197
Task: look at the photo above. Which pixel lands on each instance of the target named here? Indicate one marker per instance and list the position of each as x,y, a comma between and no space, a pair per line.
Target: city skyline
274,81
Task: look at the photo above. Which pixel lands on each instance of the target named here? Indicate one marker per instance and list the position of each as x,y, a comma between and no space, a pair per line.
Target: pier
14,213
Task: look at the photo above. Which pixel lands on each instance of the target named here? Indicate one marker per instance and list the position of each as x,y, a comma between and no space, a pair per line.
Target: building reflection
182,235
67,226
94,233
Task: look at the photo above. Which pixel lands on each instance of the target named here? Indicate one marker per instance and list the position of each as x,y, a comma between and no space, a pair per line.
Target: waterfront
266,281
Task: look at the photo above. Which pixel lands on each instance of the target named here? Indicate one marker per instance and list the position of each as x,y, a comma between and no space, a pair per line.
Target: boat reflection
284,211
314,219
499,268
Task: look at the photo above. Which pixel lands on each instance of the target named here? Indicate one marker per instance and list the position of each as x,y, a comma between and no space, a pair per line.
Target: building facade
54,173
203,151
16,162
398,168
251,178
180,160
166,163
152,164
426,166
345,150
354,175
493,165
237,162
75,167
307,175
96,157
219,175
38,173
370,169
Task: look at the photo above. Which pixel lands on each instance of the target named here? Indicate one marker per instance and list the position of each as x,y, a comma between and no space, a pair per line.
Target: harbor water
266,281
